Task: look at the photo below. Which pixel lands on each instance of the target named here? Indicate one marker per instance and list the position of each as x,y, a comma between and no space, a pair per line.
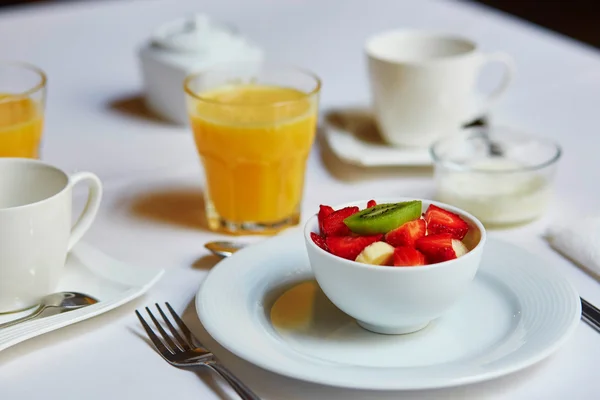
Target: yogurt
496,191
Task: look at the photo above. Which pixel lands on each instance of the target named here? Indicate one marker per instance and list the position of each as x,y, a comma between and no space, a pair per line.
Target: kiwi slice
383,217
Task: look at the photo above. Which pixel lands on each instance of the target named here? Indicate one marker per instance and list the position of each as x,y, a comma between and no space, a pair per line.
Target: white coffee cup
35,228
423,84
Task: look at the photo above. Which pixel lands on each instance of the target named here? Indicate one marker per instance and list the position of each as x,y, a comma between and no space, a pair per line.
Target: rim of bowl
457,167
269,66
407,269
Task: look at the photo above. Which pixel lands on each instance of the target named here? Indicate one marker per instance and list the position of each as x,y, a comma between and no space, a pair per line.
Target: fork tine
164,334
181,342
189,336
160,346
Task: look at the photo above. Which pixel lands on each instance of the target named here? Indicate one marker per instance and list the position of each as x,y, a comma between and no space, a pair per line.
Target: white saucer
263,305
89,271
353,136
354,150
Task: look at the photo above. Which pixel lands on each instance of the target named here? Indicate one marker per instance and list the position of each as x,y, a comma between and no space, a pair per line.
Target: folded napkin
579,240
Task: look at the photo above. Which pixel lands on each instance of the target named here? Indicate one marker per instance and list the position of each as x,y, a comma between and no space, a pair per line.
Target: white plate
263,305
89,271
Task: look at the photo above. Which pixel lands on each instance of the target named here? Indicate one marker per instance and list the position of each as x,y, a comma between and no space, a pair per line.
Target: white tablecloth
153,178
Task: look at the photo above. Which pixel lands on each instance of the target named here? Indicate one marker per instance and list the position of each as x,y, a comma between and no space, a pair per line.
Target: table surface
153,178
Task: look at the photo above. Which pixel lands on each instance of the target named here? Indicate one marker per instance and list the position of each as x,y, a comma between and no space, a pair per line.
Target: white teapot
184,46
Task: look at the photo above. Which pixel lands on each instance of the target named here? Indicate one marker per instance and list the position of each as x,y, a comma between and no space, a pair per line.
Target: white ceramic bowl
396,300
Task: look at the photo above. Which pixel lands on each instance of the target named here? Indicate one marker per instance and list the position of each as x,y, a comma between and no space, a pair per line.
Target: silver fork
179,349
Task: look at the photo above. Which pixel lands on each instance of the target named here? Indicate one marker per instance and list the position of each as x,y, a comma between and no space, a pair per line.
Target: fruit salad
392,234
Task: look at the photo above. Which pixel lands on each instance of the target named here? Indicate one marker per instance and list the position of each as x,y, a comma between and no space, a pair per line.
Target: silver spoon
494,148
224,249
56,303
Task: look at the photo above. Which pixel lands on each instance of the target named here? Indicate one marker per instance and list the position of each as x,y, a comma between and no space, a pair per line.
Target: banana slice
459,248
378,253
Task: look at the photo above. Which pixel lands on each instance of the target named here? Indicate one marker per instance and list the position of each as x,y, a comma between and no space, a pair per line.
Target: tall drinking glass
22,101
254,127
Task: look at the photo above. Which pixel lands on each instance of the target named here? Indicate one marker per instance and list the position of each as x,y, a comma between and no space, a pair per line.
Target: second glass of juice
22,100
254,127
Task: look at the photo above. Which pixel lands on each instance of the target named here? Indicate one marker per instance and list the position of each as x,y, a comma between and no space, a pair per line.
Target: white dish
355,150
353,136
89,271
396,300
517,312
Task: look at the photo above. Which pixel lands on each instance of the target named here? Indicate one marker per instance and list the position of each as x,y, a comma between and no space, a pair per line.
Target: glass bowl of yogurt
502,176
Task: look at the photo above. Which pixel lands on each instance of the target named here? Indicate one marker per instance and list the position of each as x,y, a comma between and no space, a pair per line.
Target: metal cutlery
224,249
589,313
56,303
180,350
494,149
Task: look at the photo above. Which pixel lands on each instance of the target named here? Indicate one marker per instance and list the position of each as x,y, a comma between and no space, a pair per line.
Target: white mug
423,84
35,228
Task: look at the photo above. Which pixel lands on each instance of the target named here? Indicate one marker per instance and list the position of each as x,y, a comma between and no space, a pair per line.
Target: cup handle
91,207
509,74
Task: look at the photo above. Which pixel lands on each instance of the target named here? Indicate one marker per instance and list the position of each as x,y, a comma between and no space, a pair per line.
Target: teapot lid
195,34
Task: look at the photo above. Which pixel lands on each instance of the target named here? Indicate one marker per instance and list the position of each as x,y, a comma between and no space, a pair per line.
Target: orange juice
21,123
254,141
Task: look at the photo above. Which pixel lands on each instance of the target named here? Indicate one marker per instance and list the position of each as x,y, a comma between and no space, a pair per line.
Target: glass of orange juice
253,127
22,101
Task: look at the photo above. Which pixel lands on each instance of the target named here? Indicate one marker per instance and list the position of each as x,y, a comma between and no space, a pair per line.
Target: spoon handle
31,316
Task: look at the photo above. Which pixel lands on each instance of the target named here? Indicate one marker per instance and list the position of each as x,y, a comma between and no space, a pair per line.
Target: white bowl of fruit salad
394,265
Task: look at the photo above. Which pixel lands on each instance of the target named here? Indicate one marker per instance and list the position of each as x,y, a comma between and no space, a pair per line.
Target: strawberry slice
405,256
440,247
333,224
407,233
371,203
349,247
319,240
443,221
324,211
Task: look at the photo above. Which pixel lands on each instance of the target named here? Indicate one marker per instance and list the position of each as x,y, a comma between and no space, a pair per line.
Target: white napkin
579,240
